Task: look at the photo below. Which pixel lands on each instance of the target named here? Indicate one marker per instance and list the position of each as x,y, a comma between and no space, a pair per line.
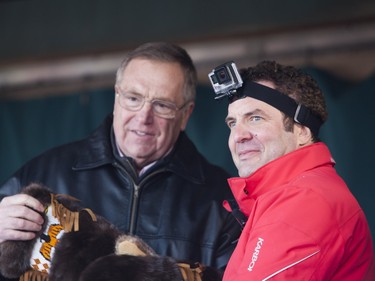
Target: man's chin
245,170
143,159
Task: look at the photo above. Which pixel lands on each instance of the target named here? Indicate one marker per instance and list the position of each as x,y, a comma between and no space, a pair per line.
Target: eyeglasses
161,108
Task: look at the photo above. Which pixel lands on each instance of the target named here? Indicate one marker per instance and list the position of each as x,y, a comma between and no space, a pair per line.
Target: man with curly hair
303,223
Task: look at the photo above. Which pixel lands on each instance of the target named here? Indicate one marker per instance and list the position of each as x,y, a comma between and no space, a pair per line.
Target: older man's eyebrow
227,119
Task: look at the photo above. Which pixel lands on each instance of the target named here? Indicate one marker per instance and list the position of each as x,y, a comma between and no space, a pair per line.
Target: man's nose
241,133
146,112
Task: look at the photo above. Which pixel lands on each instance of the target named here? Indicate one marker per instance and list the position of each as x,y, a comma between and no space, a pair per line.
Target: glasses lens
164,108
135,102
131,101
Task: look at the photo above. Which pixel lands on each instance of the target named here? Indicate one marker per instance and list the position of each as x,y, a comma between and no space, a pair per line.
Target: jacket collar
97,150
278,172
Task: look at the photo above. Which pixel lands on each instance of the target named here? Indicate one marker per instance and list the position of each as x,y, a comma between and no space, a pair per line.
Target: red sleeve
275,250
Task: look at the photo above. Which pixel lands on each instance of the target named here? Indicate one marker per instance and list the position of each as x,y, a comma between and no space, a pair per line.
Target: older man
138,169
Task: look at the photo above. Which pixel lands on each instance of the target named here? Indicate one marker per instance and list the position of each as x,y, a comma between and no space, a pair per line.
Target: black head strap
300,113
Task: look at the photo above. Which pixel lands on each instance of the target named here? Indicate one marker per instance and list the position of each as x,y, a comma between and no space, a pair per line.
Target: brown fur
15,255
125,267
97,251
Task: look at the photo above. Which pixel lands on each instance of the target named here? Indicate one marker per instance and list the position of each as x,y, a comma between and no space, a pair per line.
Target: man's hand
19,217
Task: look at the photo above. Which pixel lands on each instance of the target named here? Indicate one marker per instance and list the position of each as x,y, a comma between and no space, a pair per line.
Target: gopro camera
225,80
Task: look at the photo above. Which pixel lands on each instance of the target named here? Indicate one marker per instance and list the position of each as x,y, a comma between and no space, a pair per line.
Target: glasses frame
168,104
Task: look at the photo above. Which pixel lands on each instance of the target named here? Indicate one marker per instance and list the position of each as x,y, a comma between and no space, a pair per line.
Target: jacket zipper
134,208
135,202
135,199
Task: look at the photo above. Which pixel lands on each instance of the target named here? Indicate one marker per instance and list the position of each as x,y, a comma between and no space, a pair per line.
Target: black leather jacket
176,206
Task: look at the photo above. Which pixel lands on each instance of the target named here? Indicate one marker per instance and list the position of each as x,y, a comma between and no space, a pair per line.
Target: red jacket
303,222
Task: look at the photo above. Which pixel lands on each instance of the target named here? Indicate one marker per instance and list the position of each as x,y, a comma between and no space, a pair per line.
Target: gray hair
165,52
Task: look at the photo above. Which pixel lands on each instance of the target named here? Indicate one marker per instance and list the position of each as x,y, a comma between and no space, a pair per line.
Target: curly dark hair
290,81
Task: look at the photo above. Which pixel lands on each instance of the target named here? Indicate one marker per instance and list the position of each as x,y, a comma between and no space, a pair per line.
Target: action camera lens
222,75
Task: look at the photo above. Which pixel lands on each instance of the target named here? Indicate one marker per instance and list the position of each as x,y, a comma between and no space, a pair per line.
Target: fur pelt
134,268
95,237
15,255
91,249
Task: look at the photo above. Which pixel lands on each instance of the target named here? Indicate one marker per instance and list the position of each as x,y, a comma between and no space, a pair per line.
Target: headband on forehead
300,113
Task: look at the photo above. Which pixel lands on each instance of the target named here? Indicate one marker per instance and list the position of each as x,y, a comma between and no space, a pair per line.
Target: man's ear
188,111
304,135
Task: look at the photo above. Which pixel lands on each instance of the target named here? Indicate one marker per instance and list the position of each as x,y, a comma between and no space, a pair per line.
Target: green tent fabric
350,134
30,127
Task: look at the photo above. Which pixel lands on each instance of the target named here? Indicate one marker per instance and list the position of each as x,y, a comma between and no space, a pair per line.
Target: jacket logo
256,252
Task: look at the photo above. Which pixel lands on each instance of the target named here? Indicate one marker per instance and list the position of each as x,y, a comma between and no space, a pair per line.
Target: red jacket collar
278,172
